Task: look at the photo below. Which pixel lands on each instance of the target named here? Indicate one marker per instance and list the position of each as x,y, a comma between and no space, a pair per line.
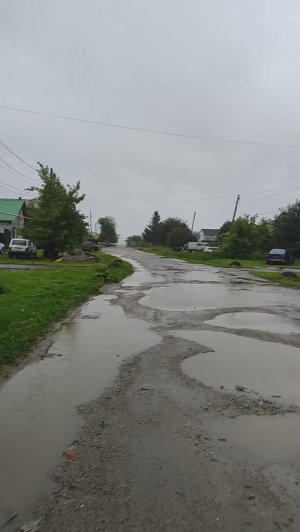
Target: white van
20,247
194,246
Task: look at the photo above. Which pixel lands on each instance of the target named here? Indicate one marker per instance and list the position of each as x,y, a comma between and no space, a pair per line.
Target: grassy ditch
211,259
32,300
276,277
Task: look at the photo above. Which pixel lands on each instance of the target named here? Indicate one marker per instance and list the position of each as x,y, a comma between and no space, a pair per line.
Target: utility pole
193,222
236,206
91,226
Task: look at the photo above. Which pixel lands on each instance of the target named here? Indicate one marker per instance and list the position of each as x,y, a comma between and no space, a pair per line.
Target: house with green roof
12,216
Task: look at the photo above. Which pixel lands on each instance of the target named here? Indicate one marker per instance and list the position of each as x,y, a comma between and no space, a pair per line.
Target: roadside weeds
210,259
278,278
33,300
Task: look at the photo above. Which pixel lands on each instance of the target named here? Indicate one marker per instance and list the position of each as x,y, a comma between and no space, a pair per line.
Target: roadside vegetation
53,223
278,278
246,240
211,259
32,300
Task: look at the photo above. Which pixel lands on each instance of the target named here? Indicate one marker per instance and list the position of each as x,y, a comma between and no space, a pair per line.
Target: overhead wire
15,190
18,171
152,131
188,192
16,155
198,199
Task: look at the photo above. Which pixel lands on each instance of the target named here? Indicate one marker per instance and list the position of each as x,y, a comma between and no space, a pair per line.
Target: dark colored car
279,256
90,246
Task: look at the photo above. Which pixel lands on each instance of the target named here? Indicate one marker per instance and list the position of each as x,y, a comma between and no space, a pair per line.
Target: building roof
9,209
210,232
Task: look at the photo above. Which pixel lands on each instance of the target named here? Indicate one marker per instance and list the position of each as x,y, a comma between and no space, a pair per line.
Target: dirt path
153,454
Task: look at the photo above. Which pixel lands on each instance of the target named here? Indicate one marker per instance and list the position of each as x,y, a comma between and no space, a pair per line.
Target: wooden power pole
193,222
236,206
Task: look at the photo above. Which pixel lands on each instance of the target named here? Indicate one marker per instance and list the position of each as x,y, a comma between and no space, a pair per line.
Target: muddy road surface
178,395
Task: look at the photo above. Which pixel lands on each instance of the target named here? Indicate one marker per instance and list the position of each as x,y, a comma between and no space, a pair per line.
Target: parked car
20,247
279,256
210,249
194,246
90,246
2,248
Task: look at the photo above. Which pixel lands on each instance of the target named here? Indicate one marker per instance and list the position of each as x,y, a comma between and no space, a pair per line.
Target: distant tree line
171,232
246,237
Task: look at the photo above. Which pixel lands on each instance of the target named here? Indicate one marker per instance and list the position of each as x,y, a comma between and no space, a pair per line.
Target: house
12,216
208,236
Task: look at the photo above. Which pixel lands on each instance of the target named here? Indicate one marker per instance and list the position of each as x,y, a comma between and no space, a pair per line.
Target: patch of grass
3,289
35,299
276,277
198,257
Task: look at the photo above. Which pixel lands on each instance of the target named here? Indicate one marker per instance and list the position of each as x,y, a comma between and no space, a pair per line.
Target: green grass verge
211,259
276,277
202,258
32,300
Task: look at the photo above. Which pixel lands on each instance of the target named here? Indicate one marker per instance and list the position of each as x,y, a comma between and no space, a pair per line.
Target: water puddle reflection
38,418
269,439
270,369
189,297
257,320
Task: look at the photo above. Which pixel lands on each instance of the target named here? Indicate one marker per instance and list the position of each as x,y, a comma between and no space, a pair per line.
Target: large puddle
38,416
257,320
270,369
188,297
267,439
140,275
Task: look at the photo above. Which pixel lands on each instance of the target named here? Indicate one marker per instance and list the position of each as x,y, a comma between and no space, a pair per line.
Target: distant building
208,236
12,216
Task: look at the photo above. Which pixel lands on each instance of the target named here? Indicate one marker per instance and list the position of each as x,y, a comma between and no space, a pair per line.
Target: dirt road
200,429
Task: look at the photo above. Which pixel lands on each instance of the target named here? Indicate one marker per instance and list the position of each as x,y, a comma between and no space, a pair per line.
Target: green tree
108,231
151,232
134,241
224,231
167,226
286,228
179,236
245,238
54,223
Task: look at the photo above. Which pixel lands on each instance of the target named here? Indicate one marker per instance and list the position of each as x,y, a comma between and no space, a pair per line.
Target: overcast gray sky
216,68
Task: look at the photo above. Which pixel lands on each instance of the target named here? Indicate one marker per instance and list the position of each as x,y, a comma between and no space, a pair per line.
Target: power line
12,189
193,191
17,156
199,199
18,172
186,192
152,131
